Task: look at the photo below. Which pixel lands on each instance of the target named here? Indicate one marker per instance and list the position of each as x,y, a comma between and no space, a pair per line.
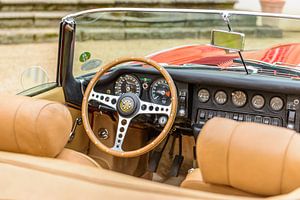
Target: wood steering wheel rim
159,138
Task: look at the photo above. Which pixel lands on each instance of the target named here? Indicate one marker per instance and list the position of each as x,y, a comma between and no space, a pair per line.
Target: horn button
128,105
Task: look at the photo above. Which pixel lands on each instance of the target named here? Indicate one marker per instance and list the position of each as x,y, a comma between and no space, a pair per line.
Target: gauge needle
168,93
161,92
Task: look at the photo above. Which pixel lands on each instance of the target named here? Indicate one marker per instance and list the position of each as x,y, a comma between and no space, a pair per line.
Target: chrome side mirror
228,40
33,76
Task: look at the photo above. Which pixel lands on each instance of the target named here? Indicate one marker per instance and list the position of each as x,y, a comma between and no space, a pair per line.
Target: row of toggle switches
204,115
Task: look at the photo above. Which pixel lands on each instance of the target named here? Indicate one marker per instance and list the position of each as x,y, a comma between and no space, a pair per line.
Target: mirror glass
33,76
228,40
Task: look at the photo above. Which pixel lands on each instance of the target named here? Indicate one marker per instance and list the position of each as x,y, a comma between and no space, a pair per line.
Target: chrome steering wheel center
127,104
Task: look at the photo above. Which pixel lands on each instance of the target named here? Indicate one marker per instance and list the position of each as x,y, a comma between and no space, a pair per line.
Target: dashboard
203,95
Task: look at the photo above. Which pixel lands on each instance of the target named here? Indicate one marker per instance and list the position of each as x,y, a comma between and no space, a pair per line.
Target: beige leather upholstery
57,179
194,180
31,126
37,127
254,158
77,157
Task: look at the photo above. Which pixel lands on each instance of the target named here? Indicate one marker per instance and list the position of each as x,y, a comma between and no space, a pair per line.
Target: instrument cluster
239,99
158,92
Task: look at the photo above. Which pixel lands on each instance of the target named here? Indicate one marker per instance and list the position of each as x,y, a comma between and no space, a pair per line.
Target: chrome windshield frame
169,10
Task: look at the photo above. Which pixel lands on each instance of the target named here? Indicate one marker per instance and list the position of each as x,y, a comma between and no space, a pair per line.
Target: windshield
182,39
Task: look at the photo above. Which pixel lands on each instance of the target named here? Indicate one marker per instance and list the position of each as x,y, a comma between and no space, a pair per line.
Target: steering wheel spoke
123,124
153,108
106,99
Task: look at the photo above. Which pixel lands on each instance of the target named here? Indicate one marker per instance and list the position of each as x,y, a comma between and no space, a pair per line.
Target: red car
210,55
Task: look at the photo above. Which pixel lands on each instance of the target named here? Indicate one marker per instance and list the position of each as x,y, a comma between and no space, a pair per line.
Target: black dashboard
206,94
245,105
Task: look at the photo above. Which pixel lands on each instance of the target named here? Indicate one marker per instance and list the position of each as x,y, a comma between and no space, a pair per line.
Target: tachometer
239,98
160,92
127,84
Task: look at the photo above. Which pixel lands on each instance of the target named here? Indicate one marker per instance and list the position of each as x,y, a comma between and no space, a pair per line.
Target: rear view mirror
228,40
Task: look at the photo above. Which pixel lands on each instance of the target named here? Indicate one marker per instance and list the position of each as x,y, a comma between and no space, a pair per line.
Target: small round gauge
220,97
276,103
160,92
127,84
239,98
258,101
203,95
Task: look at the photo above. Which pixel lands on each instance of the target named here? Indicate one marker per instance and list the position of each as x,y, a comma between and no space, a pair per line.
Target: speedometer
160,92
127,84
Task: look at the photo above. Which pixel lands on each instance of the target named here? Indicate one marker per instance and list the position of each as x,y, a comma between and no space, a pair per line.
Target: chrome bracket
77,122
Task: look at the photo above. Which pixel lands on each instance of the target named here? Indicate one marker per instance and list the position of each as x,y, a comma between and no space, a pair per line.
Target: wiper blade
211,67
193,66
268,68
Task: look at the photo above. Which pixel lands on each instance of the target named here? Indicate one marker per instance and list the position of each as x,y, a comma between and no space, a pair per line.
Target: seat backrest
33,126
256,158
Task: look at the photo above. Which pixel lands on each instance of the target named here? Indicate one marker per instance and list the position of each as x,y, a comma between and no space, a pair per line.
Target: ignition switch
162,120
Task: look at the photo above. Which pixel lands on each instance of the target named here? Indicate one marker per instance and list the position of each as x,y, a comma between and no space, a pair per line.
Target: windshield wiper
194,66
268,68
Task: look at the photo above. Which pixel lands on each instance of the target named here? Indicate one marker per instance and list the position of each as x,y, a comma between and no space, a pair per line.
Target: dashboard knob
181,113
162,121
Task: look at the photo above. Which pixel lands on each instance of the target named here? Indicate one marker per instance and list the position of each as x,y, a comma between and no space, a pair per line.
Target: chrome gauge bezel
216,98
203,95
279,100
240,100
256,98
132,77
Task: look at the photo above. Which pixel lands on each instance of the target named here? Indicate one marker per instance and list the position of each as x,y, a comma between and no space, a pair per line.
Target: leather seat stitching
85,157
284,161
36,127
228,150
14,124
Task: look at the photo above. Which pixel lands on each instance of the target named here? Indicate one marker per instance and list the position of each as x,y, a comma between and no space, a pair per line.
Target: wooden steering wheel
128,106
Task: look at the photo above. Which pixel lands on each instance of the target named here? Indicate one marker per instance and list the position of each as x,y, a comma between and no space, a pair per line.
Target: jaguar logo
126,104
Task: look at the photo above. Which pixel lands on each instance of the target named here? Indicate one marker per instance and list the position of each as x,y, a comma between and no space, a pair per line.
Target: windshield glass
183,39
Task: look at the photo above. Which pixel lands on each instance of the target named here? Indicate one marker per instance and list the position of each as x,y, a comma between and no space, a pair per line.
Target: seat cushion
77,157
195,181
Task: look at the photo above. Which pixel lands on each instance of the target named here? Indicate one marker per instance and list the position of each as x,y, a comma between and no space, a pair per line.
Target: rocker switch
182,103
291,119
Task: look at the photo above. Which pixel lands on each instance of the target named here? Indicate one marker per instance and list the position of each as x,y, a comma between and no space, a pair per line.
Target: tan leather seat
246,159
37,127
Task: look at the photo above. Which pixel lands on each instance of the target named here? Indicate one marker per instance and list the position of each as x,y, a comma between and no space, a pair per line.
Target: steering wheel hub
127,105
